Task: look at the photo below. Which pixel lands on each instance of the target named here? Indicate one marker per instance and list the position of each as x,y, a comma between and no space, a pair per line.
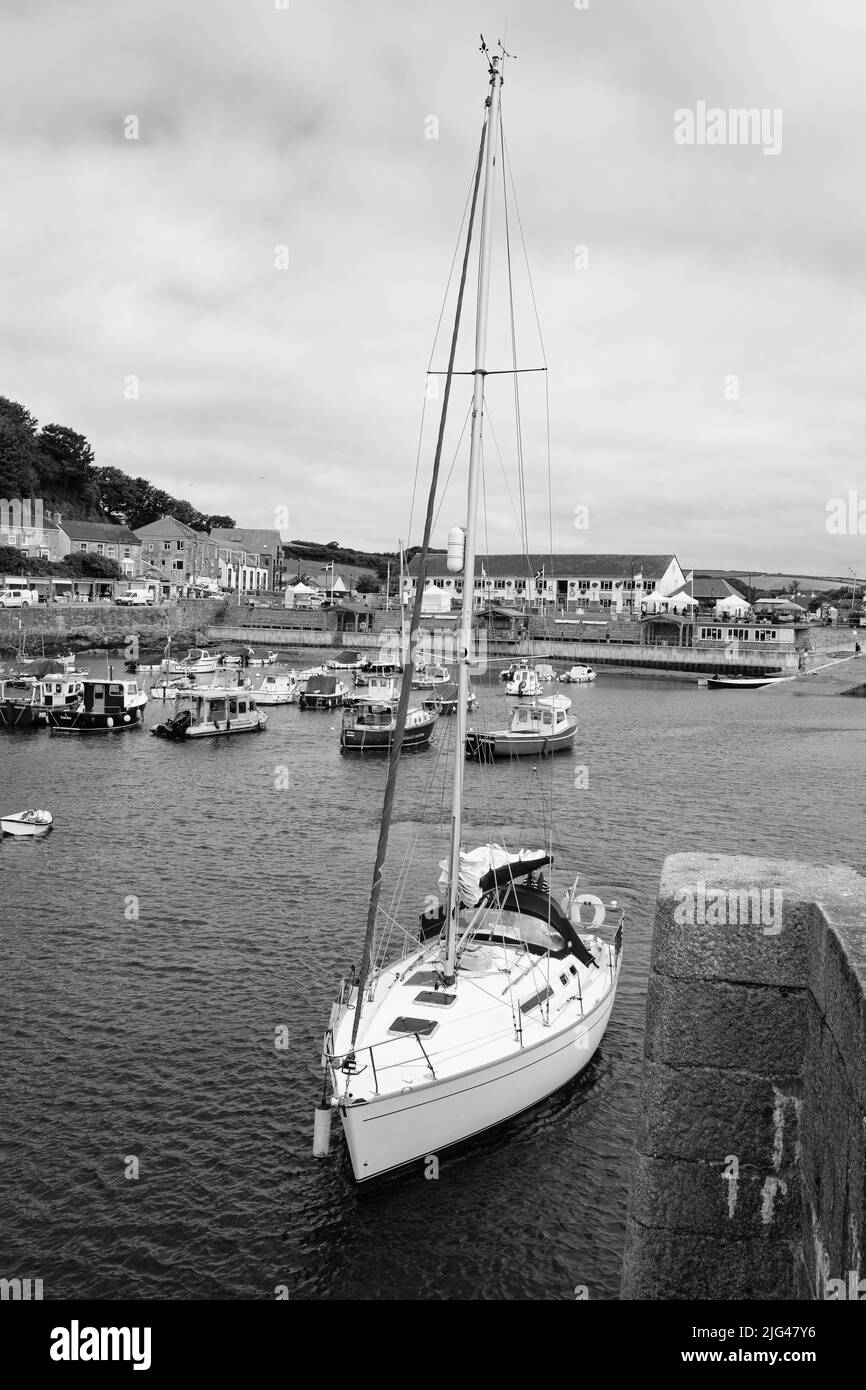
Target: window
100,548
178,564
127,553
81,545
179,545
607,584
435,996
242,706
166,545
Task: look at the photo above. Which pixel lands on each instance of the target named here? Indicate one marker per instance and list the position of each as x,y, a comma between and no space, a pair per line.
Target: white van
138,597
18,598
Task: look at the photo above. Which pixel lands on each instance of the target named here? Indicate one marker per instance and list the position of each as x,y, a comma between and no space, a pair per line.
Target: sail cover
487,867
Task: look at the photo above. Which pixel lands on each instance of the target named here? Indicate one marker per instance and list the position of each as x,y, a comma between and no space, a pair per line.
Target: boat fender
322,1131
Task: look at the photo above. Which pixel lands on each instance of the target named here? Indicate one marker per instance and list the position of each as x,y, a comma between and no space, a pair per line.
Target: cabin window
573,969
423,1026
242,707
563,979
536,999
115,690
523,716
546,717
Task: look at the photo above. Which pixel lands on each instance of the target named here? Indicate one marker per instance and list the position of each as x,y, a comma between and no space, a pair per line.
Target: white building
569,582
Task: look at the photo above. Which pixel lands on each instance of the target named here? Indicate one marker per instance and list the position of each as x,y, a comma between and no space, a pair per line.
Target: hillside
55,463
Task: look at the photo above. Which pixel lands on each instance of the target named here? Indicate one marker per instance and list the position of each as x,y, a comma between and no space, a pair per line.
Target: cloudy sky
707,353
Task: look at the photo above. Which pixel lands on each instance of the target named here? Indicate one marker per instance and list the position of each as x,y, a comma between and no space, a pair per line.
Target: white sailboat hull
397,1130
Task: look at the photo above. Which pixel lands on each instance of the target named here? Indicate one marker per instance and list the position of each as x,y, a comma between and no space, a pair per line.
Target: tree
19,451
367,584
225,523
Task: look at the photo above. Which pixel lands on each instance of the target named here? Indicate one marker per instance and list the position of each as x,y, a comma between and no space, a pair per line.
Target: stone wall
99,624
748,1171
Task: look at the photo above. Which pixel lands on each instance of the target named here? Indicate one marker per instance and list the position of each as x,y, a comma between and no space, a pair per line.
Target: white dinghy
32,823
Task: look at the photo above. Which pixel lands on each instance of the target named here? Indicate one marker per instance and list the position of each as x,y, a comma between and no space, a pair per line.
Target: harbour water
193,901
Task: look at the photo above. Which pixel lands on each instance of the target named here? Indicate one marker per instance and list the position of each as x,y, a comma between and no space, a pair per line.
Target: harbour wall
61,626
749,1170
625,656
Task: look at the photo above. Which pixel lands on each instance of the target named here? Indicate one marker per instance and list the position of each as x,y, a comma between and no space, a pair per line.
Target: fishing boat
502,992
444,699
578,675
322,692
269,660
31,823
372,726
25,701
105,707
535,730
525,684
277,690
218,712
720,682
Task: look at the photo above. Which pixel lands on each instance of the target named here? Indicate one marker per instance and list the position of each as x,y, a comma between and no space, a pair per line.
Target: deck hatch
423,1026
437,997
423,977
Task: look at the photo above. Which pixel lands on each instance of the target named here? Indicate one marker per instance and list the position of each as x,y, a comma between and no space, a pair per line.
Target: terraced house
99,538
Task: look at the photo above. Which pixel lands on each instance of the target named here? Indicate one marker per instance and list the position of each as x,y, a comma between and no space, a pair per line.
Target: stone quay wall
749,1170
63,625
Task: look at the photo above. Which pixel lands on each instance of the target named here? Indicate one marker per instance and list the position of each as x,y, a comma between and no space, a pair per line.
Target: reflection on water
187,905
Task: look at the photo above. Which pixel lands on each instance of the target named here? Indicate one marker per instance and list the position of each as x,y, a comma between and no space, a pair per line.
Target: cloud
261,387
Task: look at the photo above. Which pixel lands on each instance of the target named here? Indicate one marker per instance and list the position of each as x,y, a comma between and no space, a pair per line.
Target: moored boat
444,699
25,701
105,707
372,726
578,675
322,692
218,712
535,730
277,690
525,684
502,994
722,682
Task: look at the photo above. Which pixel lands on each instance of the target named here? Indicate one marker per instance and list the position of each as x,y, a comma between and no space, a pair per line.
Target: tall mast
468,604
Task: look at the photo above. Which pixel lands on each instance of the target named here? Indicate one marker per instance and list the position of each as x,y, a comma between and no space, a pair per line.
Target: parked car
135,597
18,598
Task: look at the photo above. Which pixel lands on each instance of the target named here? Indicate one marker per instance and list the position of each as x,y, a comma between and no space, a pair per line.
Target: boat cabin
542,717
108,697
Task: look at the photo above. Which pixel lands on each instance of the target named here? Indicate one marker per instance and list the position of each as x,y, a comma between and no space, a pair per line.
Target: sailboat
505,990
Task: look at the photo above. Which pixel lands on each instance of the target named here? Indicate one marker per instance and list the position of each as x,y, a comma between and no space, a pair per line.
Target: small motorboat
32,823
277,690
219,712
578,675
536,730
719,682
322,692
525,684
429,677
